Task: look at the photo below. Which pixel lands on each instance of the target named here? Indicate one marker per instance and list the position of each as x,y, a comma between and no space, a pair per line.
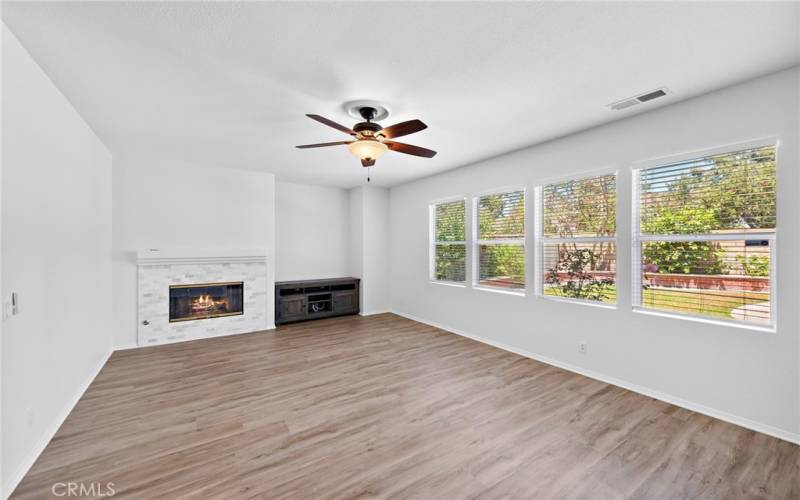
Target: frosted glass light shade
367,148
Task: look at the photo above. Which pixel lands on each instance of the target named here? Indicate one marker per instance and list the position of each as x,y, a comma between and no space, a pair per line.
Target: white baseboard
125,347
372,313
15,477
667,398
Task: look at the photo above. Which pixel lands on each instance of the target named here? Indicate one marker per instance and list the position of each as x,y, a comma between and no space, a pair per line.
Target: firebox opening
205,300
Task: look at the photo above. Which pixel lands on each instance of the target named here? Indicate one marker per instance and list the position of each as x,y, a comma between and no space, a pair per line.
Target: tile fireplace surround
158,269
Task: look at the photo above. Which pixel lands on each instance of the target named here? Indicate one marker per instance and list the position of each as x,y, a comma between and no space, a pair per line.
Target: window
706,234
577,239
448,238
500,240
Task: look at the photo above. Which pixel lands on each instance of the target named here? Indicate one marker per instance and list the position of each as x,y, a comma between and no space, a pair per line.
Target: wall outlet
583,347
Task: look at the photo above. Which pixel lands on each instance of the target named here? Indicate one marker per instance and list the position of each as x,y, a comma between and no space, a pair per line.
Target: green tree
728,191
745,189
583,207
686,257
737,190
506,261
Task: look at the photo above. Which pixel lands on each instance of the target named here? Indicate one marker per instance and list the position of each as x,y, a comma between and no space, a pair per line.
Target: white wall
375,252
312,231
167,205
2,49
356,235
746,376
56,237
369,246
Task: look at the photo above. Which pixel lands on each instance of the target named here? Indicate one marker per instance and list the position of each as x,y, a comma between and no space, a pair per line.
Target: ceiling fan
371,140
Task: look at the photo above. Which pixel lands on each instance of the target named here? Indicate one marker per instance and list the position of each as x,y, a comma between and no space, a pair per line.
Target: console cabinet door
346,301
293,307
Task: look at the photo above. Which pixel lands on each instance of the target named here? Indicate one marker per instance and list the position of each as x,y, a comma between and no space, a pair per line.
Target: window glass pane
581,271
501,216
450,221
580,208
449,262
726,279
502,266
732,191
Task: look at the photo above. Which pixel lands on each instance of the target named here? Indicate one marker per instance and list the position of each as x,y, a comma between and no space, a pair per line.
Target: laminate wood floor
387,407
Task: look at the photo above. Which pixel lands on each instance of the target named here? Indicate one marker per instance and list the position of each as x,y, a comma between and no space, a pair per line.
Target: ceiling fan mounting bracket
368,113
356,109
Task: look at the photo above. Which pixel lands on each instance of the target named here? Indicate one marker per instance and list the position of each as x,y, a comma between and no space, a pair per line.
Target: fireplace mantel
174,256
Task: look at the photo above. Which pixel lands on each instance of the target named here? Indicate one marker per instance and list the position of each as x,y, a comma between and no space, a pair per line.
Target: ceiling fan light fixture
367,149
370,139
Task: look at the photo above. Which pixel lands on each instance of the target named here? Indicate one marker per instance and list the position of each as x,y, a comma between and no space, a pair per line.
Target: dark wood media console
312,299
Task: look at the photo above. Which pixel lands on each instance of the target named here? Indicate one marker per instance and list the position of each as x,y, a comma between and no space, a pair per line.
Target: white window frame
542,240
475,246
637,238
433,243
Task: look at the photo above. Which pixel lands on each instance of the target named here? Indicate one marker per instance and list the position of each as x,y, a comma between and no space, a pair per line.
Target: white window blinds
725,192
500,243
577,244
449,241
705,238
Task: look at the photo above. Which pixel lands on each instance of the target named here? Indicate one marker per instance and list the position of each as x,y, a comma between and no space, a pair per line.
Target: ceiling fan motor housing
371,128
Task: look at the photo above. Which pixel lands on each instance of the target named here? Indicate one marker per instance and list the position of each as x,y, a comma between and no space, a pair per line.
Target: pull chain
369,169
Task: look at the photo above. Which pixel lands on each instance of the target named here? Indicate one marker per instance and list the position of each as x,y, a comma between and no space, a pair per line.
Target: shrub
755,265
686,257
580,282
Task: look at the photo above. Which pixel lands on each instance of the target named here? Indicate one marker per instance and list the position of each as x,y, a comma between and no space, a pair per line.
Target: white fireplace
196,294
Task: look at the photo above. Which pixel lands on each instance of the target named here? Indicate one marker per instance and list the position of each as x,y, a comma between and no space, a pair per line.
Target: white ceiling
229,83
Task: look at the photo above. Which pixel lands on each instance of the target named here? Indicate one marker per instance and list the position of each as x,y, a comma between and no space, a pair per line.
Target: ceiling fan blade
404,128
409,149
368,163
331,123
322,144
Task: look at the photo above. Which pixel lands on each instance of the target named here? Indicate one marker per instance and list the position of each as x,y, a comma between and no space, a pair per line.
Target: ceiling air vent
633,101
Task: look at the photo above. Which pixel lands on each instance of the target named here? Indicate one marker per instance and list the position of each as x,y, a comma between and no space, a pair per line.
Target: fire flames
205,303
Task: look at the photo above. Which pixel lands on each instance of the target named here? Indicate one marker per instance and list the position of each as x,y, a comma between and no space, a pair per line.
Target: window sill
503,291
454,284
702,319
590,303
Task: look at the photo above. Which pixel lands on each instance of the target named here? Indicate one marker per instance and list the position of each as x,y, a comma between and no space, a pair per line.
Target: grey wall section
375,253
356,238
56,237
369,246
746,376
312,231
